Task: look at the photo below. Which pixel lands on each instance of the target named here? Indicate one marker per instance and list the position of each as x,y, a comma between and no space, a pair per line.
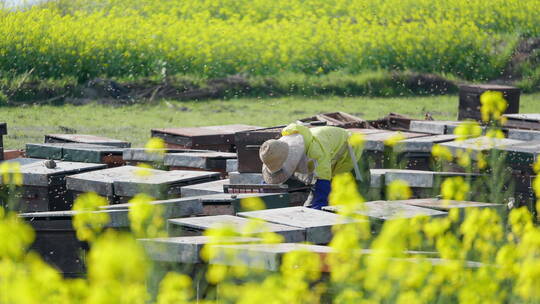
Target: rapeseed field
134,38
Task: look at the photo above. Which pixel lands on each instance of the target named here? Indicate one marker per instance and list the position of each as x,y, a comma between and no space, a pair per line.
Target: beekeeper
322,152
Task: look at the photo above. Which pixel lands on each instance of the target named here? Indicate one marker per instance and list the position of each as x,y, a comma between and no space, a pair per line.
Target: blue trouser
320,194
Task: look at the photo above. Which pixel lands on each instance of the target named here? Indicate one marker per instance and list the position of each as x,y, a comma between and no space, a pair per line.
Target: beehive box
476,146
214,187
207,161
378,212
3,131
122,183
86,153
264,256
422,183
462,206
86,139
525,135
197,225
521,156
415,153
375,150
435,127
56,240
135,156
44,189
171,208
186,250
469,99
230,204
248,144
213,204
246,178
318,224
216,138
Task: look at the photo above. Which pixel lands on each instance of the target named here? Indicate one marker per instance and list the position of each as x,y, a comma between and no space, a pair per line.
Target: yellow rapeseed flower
398,190
455,188
155,145
87,221
394,139
252,204
441,152
493,105
356,139
143,170
467,130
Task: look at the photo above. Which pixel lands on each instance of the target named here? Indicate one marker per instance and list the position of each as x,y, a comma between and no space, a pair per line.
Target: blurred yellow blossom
155,145
455,188
495,133
441,152
145,218
144,170
394,139
252,204
11,173
89,219
175,288
468,129
398,190
493,105
356,139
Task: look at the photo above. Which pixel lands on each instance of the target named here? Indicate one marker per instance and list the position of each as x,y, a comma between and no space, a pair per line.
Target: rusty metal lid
86,139
487,87
207,130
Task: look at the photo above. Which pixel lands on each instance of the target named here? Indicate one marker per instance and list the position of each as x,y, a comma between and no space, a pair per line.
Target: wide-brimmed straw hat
281,157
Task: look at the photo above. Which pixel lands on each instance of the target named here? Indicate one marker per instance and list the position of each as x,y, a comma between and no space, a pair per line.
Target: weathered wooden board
87,153
523,121
23,161
201,160
214,204
262,256
525,135
434,126
318,224
126,181
376,141
36,174
213,187
479,145
172,208
389,210
232,203
197,225
85,139
56,240
422,144
470,104
101,182
161,184
447,205
415,178
522,155
219,138
269,257
237,178
118,217
185,249
144,155
232,165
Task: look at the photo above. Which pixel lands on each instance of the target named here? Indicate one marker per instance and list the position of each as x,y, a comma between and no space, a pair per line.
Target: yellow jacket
328,146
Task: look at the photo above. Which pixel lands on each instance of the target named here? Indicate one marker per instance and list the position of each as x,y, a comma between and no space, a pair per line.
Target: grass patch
133,123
